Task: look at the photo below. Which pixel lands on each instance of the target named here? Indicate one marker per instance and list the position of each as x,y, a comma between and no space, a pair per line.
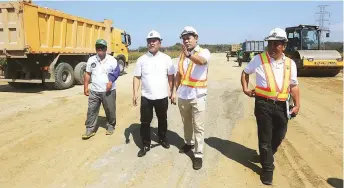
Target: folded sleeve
293,74
205,53
252,65
115,71
171,70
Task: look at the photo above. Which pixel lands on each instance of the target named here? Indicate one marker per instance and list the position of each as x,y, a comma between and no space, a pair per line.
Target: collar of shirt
151,55
272,60
196,49
104,60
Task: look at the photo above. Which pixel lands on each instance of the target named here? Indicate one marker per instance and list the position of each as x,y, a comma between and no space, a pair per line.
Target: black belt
270,100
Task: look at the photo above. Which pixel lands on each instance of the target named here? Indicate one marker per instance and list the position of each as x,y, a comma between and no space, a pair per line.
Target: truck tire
121,65
79,72
64,76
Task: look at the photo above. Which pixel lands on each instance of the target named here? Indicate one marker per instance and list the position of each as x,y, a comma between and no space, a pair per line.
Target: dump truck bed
253,46
235,47
26,28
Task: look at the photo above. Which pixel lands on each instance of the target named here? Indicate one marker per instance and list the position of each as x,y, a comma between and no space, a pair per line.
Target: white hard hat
188,30
277,34
154,34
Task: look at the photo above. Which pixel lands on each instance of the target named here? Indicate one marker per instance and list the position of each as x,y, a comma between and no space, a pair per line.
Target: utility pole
322,19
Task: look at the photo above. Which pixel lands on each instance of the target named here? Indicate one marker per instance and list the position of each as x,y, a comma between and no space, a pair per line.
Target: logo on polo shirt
93,65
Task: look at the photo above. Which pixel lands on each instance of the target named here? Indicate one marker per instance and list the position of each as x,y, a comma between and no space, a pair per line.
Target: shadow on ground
237,152
173,138
335,182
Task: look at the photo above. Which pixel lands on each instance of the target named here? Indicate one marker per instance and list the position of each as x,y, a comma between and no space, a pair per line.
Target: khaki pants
192,112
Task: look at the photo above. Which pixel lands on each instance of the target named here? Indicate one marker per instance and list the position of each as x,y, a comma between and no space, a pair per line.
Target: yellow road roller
304,47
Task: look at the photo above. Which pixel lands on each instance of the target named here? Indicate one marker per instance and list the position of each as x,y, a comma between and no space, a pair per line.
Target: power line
323,20
322,17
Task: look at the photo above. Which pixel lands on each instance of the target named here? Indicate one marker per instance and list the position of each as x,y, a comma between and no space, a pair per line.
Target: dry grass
133,56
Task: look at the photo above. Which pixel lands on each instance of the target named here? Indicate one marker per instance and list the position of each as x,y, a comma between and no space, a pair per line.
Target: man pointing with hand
191,86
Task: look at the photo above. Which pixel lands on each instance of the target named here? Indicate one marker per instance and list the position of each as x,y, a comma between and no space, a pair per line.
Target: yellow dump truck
43,45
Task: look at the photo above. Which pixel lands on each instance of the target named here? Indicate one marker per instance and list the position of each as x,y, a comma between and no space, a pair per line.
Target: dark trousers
160,106
272,123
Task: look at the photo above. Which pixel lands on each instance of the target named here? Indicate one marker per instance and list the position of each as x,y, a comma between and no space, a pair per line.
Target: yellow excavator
304,47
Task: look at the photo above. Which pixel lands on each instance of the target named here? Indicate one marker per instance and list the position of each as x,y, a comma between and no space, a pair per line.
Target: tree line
178,47
218,48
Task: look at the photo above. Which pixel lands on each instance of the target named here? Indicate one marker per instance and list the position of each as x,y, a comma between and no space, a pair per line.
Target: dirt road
41,145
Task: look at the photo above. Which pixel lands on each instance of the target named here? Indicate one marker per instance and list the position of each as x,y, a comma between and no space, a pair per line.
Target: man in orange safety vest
276,80
191,86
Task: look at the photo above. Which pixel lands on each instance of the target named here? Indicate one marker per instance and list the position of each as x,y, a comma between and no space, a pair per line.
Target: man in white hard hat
276,80
155,72
191,87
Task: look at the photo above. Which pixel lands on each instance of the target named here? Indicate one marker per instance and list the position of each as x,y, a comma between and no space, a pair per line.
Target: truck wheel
79,72
121,65
64,76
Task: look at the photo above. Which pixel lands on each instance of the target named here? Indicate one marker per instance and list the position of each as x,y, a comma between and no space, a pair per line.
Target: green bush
3,62
134,55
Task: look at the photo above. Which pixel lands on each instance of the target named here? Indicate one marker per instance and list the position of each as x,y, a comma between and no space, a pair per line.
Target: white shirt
255,66
185,92
99,70
153,70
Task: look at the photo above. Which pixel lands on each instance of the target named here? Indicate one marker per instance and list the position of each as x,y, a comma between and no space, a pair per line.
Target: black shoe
164,144
197,163
143,151
186,148
266,177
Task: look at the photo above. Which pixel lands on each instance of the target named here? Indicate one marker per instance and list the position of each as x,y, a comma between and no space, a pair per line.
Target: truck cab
120,43
303,37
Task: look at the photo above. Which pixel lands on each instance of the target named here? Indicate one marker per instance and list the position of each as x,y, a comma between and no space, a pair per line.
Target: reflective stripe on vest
273,91
186,79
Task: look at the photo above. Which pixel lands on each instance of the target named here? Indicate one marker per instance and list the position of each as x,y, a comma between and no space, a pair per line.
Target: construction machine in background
251,48
234,49
42,45
304,47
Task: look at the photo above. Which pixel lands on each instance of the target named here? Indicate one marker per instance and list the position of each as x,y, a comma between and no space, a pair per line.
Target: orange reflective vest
273,91
187,79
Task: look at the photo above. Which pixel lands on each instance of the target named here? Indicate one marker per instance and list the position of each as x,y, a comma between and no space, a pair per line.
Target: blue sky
220,22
